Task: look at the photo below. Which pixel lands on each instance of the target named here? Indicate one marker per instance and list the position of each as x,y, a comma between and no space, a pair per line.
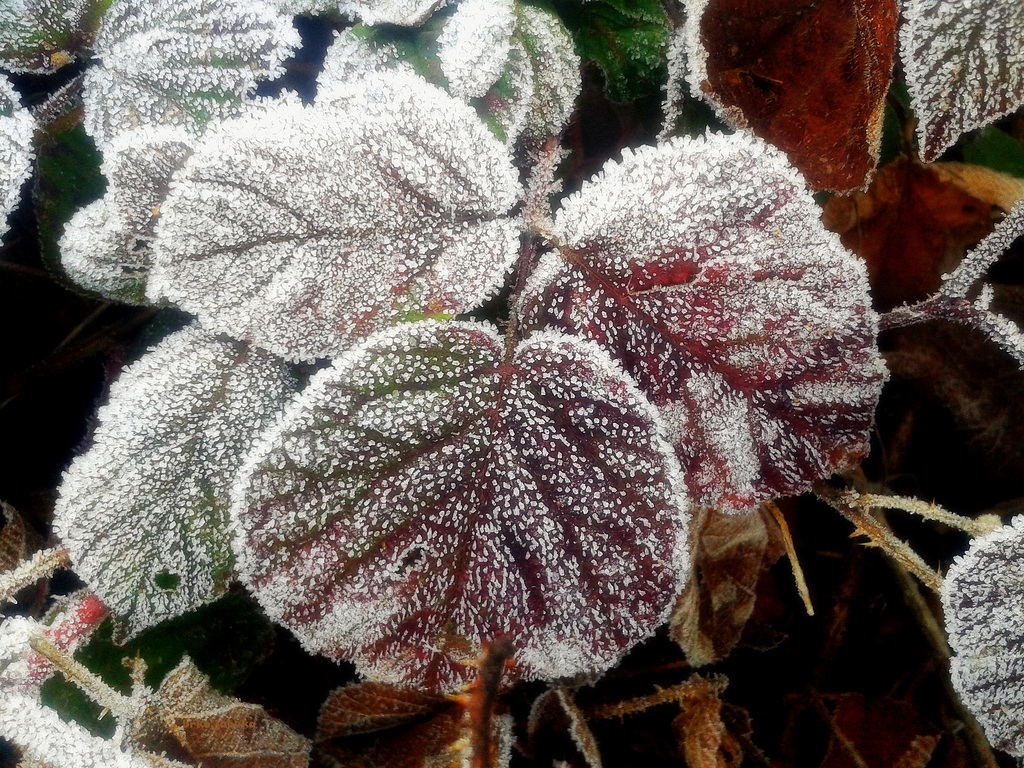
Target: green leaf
996,150
627,39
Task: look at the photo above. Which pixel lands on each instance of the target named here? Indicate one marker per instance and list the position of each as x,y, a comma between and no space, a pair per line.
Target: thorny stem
123,707
794,563
929,511
41,565
693,689
879,534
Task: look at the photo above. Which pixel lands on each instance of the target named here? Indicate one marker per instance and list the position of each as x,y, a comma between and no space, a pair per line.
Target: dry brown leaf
14,538
373,725
557,727
703,737
730,553
213,730
915,222
883,733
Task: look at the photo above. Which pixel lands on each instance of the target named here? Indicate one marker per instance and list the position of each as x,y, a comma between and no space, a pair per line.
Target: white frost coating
305,229
555,70
703,266
33,33
983,602
409,13
964,64
348,62
105,246
423,496
16,128
695,65
474,45
181,62
150,496
46,738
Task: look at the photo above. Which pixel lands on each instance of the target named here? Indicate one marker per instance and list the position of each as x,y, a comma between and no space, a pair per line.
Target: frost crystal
964,65
555,69
16,128
983,602
41,36
348,62
305,229
181,62
424,496
408,13
703,267
143,512
474,45
105,246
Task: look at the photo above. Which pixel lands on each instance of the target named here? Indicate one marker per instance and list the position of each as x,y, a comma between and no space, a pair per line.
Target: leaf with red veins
808,76
425,495
964,65
703,267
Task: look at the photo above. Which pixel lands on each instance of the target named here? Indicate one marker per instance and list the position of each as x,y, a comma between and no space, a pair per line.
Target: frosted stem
794,563
929,511
41,565
123,707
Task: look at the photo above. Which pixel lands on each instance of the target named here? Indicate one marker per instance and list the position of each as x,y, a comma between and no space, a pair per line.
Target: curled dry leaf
702,266
964,66
105,247
305,229
983,604
143,512
730,554
383,726
181,62
425,495
704,739
213,730
808,76
16,154
915,222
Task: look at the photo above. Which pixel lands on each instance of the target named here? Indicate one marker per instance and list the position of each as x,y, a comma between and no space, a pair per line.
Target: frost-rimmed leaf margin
41,36
983,605
703,267
957,87
306,229
345,538
147,503
16,153
181,62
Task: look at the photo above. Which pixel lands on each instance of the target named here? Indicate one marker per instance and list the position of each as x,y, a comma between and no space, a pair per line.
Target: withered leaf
557,726
214,730
808,76
372,725
730,554
915,223
14,543
885,733
703,737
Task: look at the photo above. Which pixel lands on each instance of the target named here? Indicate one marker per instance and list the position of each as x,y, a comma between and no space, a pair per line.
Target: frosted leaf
703,267
408,13
105,246
41,36
181,62
983,602
555,68
16,129
474,45
349,61
423,496
305,229
964,66
143,512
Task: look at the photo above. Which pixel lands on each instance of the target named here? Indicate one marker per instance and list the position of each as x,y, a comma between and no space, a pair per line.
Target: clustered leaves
395,478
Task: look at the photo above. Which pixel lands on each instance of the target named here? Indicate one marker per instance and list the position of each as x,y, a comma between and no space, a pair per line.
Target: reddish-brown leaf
809,76
915,222
704,739
14,541
884,733
730,554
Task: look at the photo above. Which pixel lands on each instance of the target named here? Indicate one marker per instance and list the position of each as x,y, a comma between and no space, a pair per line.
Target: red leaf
808,76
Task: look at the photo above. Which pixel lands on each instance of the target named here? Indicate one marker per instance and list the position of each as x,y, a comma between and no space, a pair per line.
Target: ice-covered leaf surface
474,45
105,246
703,267
809,76
181,62
964,65
144,511
555,70
42,36
983,604
16,128
305,229
424,496
403,12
